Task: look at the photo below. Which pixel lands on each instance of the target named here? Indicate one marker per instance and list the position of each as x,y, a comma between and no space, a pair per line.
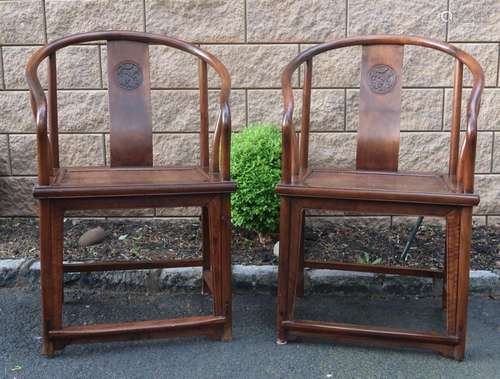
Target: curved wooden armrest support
221,147
39,109
288,140
288,145
226,142
466,162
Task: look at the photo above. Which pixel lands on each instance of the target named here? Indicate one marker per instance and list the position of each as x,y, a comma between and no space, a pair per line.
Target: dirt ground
177,239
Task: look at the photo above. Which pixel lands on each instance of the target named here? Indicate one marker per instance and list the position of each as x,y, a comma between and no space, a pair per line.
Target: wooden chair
132,182
377,187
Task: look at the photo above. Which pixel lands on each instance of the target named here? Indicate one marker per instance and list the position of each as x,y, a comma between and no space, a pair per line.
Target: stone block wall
255,39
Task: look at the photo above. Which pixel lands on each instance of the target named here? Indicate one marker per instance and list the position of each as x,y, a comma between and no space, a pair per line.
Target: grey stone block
333,150
9,269
397,17
183,278
496,153
16,197
424,152
77,67
488,187
15,113
137,279
244,277
252,65
197,21
21,23
75,150
474,20
288,20
266,278
4,156
33,273
337,281
83,111
482,281
176,149
74,16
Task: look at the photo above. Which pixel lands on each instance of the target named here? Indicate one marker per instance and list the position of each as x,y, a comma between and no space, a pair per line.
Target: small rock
92,237
276,249
497,264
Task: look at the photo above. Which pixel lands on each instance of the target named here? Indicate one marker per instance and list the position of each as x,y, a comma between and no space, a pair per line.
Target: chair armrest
39,109
466,162
289,148
221,148
467,158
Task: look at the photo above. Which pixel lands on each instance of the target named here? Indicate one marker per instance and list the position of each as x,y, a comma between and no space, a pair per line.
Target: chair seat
379,186
131,181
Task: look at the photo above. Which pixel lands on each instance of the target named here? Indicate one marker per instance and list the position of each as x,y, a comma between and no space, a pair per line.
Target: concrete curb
26,272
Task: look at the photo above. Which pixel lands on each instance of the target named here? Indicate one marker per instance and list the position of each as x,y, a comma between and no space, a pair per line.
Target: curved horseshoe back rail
46,111
461,163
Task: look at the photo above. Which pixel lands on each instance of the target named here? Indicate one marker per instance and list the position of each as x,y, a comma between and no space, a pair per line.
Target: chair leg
51,271
463,281
300,274
458,235
220,245
289,263
226,236
205,247
443,297
294,258
452,251
283,273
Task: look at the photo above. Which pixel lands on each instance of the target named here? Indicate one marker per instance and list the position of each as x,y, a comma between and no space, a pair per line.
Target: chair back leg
205,249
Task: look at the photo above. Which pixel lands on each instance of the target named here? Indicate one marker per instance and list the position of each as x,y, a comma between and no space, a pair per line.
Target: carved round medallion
129,75
381,78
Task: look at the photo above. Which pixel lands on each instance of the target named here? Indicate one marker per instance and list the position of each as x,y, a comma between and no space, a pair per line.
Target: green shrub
256,168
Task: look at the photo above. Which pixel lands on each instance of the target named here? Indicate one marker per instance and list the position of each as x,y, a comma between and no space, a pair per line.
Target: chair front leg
451,273
282,307
289,264
51,271
458,236
226,236
220,260
463,281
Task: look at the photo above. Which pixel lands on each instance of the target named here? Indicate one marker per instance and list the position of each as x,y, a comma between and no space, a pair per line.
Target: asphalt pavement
253,352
